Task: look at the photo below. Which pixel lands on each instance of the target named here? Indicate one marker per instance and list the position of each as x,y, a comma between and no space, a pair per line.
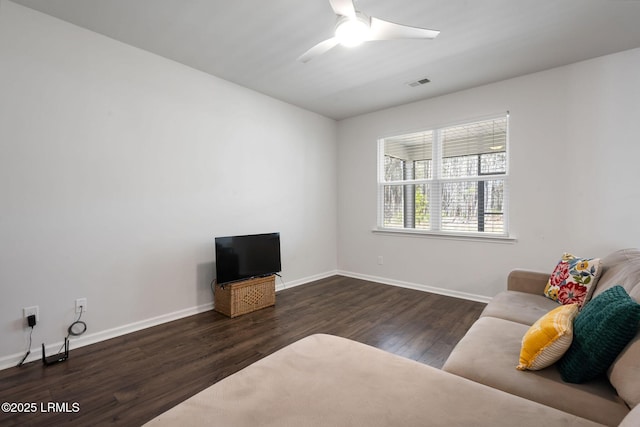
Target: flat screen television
244,257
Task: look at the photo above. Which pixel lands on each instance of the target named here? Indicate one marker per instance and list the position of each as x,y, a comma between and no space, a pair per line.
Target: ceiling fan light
352,32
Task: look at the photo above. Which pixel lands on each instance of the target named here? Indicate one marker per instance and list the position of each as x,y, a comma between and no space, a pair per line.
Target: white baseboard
76,342
281,285
417,286
12,360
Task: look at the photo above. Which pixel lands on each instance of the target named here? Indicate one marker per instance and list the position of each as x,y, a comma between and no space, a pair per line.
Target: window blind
451,179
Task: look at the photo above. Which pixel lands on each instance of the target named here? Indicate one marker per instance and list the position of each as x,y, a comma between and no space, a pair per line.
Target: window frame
435,183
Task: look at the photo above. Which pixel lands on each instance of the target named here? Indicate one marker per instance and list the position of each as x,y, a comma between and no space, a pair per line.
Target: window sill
476,237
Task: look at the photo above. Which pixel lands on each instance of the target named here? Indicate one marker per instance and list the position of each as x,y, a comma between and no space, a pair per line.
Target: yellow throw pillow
548,339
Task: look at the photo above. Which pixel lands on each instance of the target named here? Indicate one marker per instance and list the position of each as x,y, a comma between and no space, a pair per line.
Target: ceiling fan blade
385,30
318,49
343,7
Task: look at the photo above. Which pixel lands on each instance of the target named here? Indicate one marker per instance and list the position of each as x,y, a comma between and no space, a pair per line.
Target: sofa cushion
521,307
601,331
621,268
487,354
548,339
573,280
624,373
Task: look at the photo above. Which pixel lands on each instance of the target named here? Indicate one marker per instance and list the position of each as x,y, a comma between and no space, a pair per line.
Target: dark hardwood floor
131,379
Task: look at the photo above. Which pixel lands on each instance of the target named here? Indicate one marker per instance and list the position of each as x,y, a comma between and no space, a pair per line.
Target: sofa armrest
532,282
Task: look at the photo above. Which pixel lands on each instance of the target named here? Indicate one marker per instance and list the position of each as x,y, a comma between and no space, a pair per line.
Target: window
450,180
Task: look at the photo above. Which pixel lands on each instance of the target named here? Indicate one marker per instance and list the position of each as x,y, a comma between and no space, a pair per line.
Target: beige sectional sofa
323,380
489,351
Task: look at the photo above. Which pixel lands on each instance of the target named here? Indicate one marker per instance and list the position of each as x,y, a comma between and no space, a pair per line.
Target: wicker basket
245,296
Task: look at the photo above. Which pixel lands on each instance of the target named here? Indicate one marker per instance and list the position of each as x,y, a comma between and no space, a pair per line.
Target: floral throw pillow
573,280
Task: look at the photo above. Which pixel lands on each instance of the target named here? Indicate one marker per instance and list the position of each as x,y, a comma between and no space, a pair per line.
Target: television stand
245,296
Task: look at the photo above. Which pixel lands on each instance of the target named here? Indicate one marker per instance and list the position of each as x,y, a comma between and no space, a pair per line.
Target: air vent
419,82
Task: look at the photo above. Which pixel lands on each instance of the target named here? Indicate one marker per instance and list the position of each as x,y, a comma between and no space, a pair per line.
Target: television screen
244,257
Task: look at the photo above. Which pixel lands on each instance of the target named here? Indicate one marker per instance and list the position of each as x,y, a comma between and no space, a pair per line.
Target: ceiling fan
354,27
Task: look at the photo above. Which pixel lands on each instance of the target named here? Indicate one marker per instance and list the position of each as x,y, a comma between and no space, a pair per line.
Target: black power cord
77,328
30,338
284,285
213,285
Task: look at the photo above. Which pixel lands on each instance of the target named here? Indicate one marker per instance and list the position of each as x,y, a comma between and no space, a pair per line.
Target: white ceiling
255,43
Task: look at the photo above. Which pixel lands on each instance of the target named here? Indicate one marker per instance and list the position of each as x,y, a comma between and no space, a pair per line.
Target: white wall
118,168
574,155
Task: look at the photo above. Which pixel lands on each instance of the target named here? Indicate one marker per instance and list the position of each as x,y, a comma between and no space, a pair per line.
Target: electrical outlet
81,305
380,260
28,311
